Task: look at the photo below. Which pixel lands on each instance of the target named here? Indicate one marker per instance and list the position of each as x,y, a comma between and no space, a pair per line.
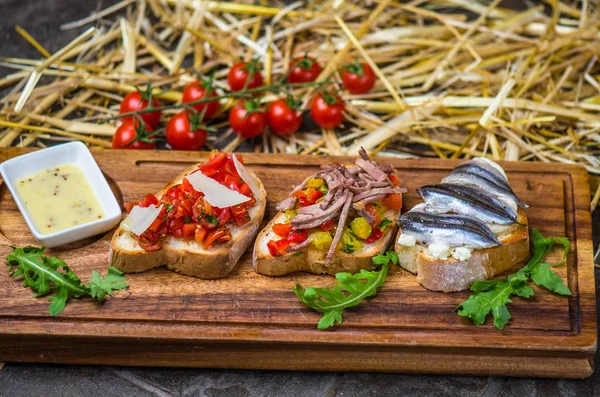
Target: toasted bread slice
183,256
311,259
455,275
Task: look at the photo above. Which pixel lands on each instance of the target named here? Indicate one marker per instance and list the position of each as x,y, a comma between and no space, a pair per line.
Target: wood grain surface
252,321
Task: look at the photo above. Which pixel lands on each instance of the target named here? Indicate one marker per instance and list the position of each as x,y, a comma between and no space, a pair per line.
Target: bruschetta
336,220
198,225
470,227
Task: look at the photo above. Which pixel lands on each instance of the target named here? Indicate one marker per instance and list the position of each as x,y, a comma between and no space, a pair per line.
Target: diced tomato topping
186,214
297,236
188,230
393,201
148,245
220,235
278,247
394,179
129,206
201,208
240,215
375,235
282,229
200,235
215,161
328,226
308,196
223,215
149,200
245,190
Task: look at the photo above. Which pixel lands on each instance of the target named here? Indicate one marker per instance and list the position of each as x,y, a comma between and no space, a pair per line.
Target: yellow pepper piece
289,214
350,242
321,240
315,182
361,227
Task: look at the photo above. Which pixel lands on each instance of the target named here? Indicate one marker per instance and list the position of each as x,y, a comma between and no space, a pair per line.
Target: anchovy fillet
468,201
472,179
484,170
454,230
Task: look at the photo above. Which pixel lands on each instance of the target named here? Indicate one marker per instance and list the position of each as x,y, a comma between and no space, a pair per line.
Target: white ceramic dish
74,152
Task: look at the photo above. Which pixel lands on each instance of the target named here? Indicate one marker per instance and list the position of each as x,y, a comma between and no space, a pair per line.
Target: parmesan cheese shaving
216,194
140,218
246,176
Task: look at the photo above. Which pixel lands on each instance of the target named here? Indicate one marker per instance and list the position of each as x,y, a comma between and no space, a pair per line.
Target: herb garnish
332,301
45,275
493,295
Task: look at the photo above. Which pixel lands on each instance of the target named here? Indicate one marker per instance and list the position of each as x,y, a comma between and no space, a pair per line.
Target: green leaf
100,287
348,292
478,306
44,275
543,276
493,296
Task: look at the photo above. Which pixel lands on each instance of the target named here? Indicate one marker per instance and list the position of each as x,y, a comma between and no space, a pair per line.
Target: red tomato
220,235
375,235
198,90
278,248
358,78
200,235
247,119
128,133
282,119
394,179
148,200
282,229
297,236
183,132
393,201
328,226
304,70
240,73
327,111
189,230
135,101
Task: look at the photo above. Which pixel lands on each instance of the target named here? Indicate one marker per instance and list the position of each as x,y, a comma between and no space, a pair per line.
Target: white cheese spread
461,253
406,240
439,250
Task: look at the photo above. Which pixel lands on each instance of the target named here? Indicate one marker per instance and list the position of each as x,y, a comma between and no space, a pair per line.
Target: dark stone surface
42,19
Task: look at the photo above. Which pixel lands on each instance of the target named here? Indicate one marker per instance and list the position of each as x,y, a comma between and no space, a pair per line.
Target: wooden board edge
298,358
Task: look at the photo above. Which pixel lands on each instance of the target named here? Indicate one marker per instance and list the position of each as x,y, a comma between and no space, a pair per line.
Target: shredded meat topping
349,188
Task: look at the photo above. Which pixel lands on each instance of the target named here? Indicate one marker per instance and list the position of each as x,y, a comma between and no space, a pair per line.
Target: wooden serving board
252,321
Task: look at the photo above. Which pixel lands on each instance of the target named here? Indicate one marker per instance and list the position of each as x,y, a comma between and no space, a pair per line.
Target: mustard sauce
59,198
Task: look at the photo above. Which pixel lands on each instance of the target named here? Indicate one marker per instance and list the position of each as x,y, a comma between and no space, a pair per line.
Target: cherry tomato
247,119
304,70
128,132
183,132
358,78
240,72
327,111
282,119
196,91
135,101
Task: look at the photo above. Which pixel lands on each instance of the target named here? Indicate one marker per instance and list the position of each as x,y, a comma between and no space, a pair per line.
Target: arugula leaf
332,301
45,275
542,275
493,296
100,287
